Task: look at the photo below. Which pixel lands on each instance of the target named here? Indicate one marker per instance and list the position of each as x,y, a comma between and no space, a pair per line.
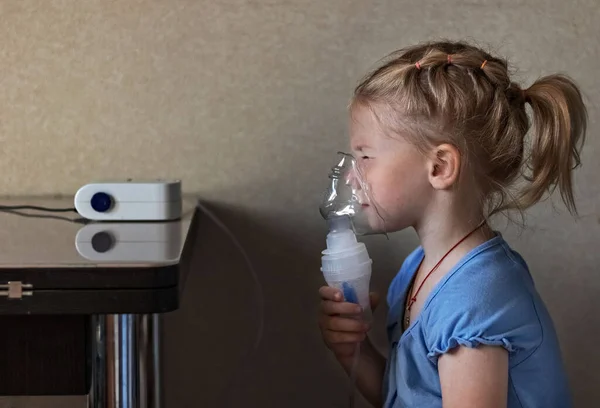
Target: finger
335,337
340,308
342,324
374,300
329,293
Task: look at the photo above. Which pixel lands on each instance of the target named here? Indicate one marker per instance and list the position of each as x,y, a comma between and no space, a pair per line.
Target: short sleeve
485,301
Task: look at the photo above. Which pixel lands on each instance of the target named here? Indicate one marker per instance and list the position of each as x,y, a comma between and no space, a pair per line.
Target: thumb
374,298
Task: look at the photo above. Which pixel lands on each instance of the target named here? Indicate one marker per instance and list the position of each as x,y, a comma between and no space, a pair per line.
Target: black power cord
18,210
36,208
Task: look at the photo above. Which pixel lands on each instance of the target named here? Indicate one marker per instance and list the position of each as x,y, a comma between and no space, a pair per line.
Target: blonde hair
452,92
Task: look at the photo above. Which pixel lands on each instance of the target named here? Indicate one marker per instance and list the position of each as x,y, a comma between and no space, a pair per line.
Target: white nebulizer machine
349,211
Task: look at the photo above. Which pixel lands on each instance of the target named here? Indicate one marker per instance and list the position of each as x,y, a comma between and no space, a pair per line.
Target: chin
381,221
378,226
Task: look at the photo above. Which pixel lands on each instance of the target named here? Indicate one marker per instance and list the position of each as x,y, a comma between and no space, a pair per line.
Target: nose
356,184
353,180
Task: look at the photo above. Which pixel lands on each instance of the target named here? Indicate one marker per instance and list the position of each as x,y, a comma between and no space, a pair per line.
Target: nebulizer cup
345,263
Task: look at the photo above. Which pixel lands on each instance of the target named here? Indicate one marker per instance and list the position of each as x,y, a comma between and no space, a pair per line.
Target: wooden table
80,302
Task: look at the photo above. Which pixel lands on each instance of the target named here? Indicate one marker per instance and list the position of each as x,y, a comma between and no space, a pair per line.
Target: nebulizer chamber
345,263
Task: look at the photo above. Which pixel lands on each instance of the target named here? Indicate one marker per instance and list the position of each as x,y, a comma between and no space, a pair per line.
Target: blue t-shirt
488,298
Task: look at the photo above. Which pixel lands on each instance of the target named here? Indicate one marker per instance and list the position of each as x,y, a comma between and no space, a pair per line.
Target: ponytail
560,122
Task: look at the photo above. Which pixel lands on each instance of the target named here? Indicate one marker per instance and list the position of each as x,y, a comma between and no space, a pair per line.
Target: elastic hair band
449,59
483,65
418,65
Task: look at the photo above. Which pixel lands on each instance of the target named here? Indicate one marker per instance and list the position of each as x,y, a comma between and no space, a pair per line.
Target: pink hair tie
418,65
449,59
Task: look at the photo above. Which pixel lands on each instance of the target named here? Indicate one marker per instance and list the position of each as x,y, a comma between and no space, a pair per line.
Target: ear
444,166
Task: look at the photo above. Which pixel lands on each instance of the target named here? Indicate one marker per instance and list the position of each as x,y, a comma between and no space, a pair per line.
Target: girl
440,132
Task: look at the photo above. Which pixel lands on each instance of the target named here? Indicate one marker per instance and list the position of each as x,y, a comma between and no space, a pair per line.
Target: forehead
365,128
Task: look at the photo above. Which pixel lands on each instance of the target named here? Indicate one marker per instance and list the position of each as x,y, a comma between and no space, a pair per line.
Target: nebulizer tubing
345,263
259,298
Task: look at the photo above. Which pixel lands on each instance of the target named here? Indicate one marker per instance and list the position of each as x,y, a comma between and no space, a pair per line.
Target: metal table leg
126,362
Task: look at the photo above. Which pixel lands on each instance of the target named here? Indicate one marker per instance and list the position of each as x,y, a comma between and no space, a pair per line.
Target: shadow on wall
579,342
565,272
208,338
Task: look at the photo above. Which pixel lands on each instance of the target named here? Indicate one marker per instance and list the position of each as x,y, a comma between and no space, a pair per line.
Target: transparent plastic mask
348,197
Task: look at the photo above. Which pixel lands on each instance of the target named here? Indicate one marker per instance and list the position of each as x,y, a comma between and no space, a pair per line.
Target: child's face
394,170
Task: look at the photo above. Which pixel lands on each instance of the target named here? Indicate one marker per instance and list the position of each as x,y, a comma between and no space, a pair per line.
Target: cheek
384,187
398,189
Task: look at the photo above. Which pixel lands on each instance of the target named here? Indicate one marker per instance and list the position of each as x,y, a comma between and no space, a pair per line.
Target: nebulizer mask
349,211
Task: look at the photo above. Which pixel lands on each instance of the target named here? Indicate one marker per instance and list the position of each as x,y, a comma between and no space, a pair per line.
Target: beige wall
245,101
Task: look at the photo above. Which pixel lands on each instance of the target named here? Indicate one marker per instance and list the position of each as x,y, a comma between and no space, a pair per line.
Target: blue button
101,202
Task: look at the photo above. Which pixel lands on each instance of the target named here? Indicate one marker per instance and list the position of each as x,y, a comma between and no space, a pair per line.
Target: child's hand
340,323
